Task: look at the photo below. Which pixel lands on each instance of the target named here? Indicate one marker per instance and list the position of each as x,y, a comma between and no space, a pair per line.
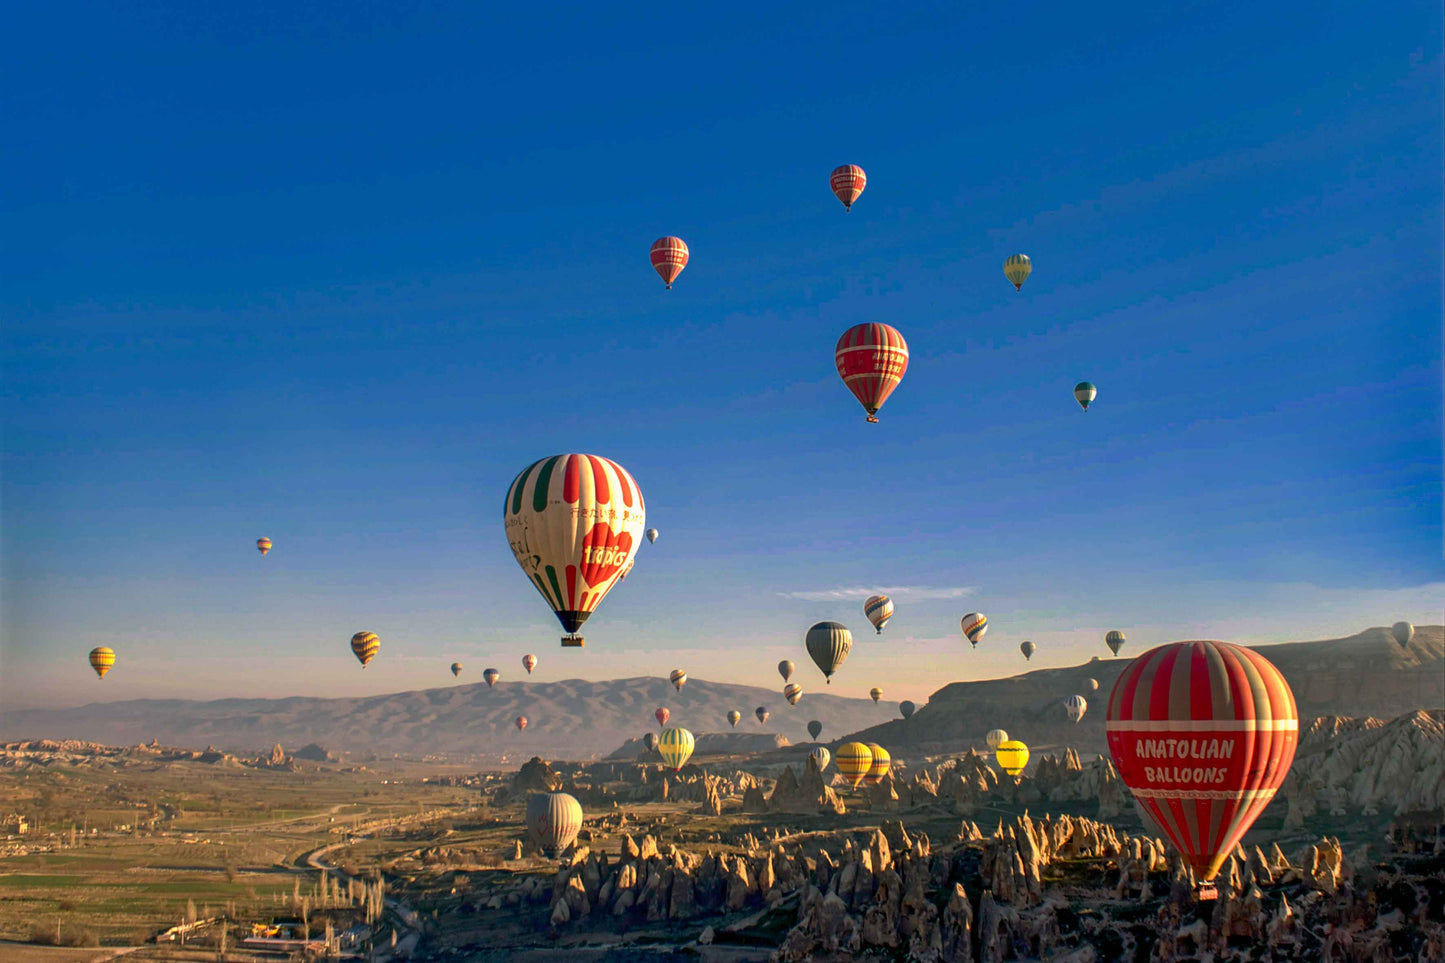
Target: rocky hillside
1396,767
1361,676
568,719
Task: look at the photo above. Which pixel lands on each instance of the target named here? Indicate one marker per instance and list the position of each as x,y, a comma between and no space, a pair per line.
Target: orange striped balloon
263,545
1203,734
847,183
101,660
871,359
669,257
879,766
365,645
854,759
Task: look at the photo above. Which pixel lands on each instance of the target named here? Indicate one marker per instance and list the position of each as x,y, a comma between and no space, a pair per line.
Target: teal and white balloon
1017,269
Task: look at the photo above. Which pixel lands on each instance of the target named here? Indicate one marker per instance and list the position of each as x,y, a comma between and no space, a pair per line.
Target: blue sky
336,275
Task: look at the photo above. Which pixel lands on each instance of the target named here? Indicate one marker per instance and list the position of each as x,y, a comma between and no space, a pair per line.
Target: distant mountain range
569,719
1364,675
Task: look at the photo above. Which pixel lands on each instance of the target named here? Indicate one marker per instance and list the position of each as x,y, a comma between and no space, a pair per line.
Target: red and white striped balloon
669,257
1203,734
871,359
847,183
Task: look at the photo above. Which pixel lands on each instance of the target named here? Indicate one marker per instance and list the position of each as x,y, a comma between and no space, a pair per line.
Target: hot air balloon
995,738
553,820
101,659
456,669
785,669
675,745
879,766
1403,632
1012,756
1093,684
529,662
490,677
650,741
652,534
879,609
906,709
627,569
1076,706
1203,734
762,713
1028,649
521,723
872,359
678,678
263,545
1115,641
821,757
875,694
734,717
661,715
974,625
792,692
1084,394
815,729
365,645
847,183
854,760
572,522
669,257
1017,268
828,644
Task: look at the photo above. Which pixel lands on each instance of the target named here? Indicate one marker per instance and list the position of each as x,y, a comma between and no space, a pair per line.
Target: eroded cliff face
1369,767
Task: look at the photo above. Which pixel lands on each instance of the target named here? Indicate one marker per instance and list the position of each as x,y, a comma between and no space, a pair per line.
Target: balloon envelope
652,534
871,359
1076,706
792,692
365,645
456,668
815,729
1028,649
879,765
650,740
974,625
1017,268
828,644
878,609
263,545
661,715
572,522
678,678
1093,684
1115,641
490,677
521,723
1203,734
529,662
762,713
785,669
821,757
1403,633
101,659
1084,394
854,761
553,821
847,182
1012,756
669,256
906,709
875,694
676,746
734,717
996,738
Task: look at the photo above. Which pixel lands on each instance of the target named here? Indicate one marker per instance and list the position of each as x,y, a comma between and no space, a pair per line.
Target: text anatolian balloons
1203,734
573,522
871,359
669,256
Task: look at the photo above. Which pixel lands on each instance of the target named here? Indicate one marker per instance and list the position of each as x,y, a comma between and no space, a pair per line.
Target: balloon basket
572,642
1206,891
872,420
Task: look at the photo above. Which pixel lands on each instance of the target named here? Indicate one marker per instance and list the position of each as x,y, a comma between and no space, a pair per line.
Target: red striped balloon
669,257
1203,734
848,182
871,359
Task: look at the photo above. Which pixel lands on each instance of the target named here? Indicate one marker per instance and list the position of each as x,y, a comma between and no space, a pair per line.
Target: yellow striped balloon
365,645
263,545
1017,269
792,692
1012,756
854,760
101,659
678,678
675,745
875,693
880,765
